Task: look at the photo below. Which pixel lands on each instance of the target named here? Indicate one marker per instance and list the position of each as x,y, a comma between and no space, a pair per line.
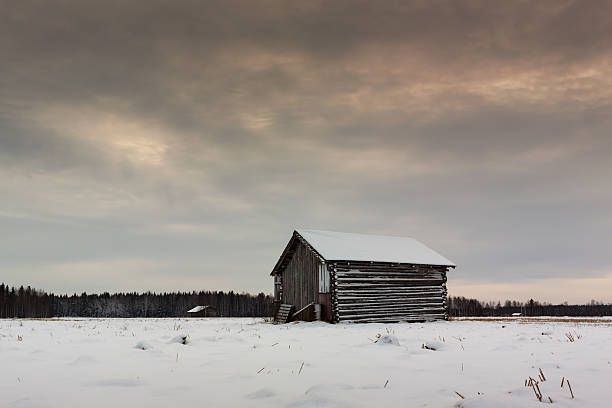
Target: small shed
337,276
202,311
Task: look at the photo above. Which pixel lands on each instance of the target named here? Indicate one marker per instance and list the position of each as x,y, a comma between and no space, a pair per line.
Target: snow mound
143,345
433,345
84,360
182,339
261,394
387,339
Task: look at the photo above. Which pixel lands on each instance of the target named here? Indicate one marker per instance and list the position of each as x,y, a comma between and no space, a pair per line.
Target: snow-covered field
250,363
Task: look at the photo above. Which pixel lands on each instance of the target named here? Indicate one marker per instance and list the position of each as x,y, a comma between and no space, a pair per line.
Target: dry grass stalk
387,383
302,366
570,337
262,368
537,392
570,388
562,381
534,384
461,396
19,338
541,374
531,381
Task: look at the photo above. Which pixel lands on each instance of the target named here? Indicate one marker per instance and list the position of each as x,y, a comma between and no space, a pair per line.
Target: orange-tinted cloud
482,128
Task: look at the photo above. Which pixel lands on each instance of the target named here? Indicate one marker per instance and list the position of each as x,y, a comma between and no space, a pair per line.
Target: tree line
461,306
26,302
31,303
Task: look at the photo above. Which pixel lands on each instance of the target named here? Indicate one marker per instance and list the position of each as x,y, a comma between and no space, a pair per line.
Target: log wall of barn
383,292
300,277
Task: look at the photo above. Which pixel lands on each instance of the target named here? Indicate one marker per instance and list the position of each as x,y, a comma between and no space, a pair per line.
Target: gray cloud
182,142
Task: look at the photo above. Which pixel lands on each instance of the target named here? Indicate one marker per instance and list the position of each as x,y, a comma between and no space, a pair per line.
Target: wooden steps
283,314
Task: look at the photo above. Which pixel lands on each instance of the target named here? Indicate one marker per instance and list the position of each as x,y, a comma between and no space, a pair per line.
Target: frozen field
250,363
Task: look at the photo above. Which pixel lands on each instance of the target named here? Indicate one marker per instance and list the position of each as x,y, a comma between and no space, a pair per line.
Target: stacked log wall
384,292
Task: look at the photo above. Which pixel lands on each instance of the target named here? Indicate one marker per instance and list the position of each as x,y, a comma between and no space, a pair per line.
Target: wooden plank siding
384,292
299,277
326,306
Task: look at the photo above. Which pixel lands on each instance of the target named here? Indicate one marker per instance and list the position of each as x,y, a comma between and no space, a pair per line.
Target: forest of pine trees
31,303
460,306
24,302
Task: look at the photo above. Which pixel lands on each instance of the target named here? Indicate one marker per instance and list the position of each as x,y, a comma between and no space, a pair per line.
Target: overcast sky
175,145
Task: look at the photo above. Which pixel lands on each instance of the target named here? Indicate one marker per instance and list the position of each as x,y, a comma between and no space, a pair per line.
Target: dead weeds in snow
535,385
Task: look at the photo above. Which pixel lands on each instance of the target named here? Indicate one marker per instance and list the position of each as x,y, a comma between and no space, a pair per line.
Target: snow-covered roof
343,246
197,309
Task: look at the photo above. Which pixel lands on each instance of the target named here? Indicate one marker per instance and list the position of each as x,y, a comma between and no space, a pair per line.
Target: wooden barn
202,311
336,276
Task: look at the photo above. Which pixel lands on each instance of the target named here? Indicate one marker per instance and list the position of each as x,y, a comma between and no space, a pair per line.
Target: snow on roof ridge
348,246
350,233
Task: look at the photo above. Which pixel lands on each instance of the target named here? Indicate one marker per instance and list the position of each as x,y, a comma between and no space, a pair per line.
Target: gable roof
343,246
197,309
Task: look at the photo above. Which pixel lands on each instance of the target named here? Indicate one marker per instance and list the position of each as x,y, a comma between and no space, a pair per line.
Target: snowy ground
249,363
